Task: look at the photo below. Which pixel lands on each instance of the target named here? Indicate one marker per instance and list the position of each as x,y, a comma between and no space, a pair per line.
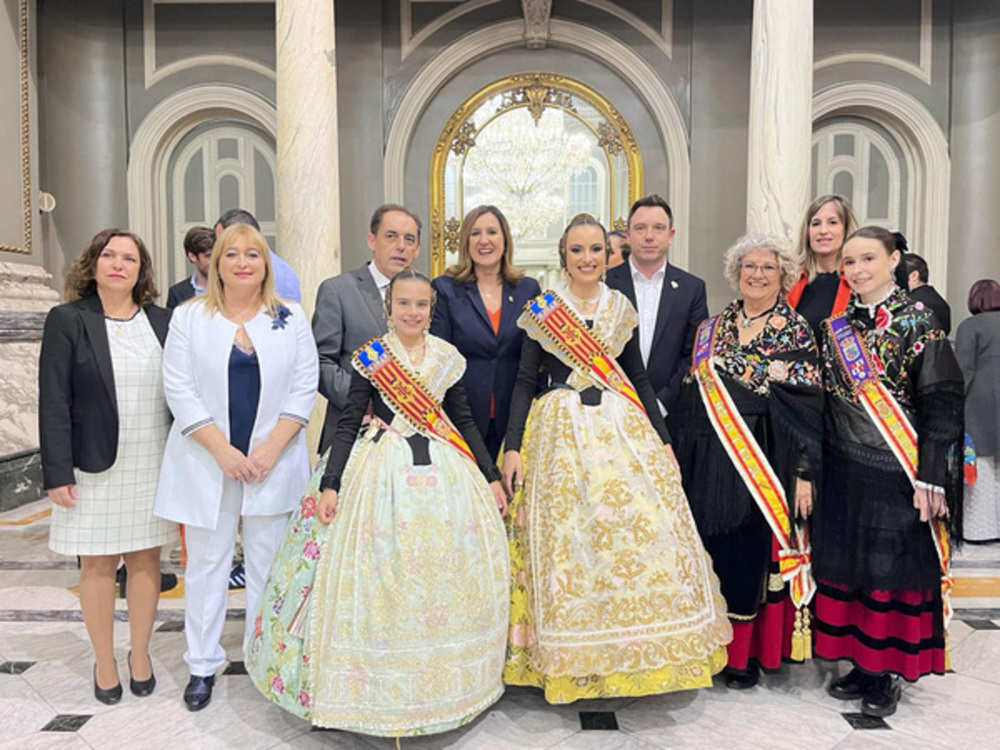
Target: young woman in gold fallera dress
613,593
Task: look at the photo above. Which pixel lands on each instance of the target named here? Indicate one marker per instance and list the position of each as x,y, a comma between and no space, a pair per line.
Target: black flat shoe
882,697
198,692
108,697
742,679
168,581
141,688
851,686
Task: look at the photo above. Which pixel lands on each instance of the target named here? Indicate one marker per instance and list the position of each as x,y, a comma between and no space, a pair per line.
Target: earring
390,325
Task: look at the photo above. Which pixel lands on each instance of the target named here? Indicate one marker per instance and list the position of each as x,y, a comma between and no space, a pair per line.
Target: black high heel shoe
108,697
143,688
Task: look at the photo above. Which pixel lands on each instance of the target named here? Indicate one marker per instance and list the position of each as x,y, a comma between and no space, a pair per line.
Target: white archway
157,138
570,35
925,149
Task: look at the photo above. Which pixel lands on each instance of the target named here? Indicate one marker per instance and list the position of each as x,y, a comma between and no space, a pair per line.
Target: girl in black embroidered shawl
879,603
767,360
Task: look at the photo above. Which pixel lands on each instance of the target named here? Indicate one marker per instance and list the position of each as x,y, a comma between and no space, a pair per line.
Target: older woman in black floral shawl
763,356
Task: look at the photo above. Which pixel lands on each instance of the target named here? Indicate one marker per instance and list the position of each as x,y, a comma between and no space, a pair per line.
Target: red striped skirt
767,638
880,632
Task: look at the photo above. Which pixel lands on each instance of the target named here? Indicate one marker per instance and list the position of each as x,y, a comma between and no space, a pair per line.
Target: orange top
495,322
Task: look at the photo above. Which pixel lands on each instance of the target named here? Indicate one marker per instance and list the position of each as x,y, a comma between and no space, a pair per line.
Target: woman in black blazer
478,301
103,423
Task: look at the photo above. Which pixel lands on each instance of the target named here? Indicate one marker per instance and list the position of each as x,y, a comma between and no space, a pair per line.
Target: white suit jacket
196,384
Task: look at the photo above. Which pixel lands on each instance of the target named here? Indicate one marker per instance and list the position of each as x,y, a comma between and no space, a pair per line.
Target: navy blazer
77,401
683,305
460,318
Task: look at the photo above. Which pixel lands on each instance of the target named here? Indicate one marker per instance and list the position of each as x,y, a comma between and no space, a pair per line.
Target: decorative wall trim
157,138
153,75
663,39
409,41
922,70
926,151
25,137
568,35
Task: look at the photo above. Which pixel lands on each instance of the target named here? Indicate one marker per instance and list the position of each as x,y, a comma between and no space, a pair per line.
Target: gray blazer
349,313
977,347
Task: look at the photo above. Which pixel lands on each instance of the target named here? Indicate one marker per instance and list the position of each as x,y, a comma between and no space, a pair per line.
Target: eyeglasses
752,268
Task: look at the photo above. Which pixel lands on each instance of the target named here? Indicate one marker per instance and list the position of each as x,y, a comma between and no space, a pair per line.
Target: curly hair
787,263
80,281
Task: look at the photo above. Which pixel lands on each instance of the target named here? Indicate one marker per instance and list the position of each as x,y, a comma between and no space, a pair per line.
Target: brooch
281,316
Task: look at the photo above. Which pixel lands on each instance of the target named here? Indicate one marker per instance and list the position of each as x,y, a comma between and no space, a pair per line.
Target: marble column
308,161
975,168
25,298
780,131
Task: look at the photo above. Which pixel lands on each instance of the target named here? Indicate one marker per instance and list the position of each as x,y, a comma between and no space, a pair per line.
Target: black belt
588,396
419,447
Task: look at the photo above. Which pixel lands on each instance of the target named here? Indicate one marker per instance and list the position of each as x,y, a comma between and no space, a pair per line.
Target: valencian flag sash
407,395
862,371
795,556
575,340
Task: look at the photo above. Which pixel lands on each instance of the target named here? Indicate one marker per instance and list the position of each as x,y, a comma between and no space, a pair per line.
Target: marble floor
46,699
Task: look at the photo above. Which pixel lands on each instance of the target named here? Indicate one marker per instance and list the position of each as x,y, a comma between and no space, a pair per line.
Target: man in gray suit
350,307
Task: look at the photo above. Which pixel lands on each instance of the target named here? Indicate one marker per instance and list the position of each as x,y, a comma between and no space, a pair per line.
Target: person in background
198,244
350,307
922,292
478,301
977,347
240,374
821,291
618,240
286,281
671,303
103,423
890,499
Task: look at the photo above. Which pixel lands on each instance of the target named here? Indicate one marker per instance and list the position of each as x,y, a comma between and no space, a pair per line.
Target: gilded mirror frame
536,92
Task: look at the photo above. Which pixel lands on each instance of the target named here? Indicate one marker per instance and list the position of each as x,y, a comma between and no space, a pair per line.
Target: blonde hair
807,258
215,296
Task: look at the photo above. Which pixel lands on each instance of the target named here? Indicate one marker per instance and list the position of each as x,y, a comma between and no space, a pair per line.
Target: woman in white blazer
240,373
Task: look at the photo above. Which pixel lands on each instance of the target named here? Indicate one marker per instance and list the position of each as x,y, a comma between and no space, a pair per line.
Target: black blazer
683,305
77,404
460,318
182,291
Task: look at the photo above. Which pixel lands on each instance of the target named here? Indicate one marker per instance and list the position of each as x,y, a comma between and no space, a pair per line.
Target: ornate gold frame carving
535,92
25,138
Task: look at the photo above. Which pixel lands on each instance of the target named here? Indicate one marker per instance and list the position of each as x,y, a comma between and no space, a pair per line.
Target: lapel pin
673,284
510,297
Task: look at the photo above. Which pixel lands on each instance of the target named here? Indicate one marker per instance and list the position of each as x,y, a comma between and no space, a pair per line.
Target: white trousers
206,582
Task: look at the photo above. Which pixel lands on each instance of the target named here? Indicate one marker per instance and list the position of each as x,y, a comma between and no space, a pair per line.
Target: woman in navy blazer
478,301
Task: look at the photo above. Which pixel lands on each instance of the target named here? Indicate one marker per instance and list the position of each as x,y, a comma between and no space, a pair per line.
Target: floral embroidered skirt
392,620
613,593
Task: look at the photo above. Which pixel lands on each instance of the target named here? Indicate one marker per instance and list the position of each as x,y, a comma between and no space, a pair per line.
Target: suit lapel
510,309
92,312
370,294
668,295
159,322
477,302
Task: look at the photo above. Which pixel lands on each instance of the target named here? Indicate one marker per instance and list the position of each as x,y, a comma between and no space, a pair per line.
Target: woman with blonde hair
240,371
820,290
478,301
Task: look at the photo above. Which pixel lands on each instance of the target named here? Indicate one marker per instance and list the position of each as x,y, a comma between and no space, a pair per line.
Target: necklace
119,323
488,293
584,304
749,320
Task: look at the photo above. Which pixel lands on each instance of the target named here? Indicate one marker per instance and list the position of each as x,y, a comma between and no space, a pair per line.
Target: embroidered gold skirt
613,593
